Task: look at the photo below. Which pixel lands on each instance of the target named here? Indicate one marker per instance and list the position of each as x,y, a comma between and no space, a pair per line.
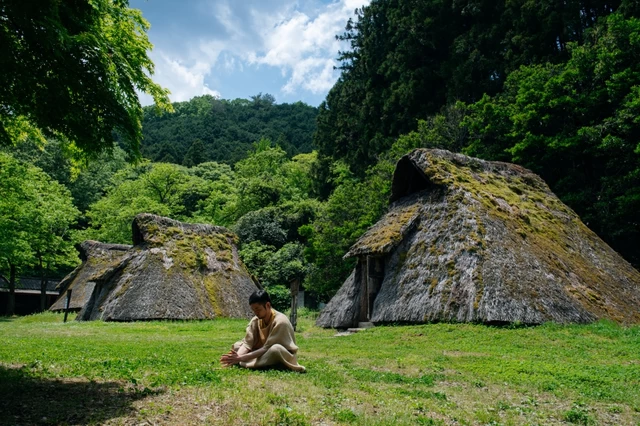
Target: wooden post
370,274
374,276
361,276
368,288
295,288
66,305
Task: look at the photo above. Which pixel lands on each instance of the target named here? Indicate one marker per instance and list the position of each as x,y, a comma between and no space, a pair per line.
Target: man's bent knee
278,348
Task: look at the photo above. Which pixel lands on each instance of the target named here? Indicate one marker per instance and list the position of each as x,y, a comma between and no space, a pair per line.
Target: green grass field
437,374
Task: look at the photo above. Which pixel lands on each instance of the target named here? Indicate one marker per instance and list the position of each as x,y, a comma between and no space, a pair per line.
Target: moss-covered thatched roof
473,240
97,260
174,270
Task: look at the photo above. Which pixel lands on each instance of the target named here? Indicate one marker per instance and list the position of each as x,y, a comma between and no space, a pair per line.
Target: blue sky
239,48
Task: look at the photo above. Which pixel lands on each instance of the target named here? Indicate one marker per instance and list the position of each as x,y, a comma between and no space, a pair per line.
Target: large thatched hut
174,270
473,240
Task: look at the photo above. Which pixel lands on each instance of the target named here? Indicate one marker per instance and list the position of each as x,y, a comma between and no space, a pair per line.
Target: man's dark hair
259,296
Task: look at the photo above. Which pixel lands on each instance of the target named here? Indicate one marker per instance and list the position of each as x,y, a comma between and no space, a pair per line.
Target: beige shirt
278,331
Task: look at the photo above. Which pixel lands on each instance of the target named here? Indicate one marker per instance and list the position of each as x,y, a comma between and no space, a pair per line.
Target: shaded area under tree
31,400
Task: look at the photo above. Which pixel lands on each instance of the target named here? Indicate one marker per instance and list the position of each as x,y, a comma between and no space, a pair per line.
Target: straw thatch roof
98,259
473,240
174,270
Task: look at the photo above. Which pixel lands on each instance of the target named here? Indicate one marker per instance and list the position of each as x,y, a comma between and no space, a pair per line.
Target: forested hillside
209,129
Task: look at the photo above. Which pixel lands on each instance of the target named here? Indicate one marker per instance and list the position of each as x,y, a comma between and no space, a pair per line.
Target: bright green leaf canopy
71,69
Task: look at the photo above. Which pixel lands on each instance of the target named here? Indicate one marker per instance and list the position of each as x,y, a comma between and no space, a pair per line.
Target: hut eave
390,230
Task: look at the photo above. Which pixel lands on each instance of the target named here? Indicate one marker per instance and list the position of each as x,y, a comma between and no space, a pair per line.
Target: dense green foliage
409,58
71,70
87,181
158,188
265,198
36,213
576,124
428,374
209,129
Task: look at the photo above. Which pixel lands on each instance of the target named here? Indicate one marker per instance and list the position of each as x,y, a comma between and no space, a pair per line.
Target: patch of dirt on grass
178,407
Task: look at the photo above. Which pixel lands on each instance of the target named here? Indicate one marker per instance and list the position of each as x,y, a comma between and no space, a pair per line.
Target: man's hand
230,358
243,354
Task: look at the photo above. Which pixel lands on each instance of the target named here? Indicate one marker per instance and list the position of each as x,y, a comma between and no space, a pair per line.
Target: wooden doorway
371,277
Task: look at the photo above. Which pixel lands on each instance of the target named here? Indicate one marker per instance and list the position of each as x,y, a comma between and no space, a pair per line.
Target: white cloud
303,47
231,64
231,23
313,74
295,36
184,81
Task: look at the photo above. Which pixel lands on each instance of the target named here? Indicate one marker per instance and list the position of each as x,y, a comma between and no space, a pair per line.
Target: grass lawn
437,374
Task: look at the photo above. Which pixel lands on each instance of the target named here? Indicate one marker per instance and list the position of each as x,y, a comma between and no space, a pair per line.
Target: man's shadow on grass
25,400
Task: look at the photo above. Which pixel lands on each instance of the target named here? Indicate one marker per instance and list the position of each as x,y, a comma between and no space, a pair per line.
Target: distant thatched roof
98,259
473,240
174,270
31,284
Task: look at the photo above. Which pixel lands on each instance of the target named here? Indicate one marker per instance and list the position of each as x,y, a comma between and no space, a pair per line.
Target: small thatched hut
473,240
98,259
174,270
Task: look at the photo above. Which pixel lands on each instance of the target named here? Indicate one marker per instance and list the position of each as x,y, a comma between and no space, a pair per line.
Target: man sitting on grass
269,342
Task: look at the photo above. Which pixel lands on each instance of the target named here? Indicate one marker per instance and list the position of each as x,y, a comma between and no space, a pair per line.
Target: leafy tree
72,69
218,207
53,158
259,179
262,101
262,225
286,264
445,130
576,125
147,188
195,154
276,267
35,216
15,251
280,297
87,180
94,177
50,238
277,225
212,171
298,176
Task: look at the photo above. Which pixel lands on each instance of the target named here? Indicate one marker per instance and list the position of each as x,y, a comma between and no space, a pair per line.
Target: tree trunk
11,302
43,287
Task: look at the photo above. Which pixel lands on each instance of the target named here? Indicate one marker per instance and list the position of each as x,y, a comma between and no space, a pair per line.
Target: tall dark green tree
195,154
576,124
410,58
